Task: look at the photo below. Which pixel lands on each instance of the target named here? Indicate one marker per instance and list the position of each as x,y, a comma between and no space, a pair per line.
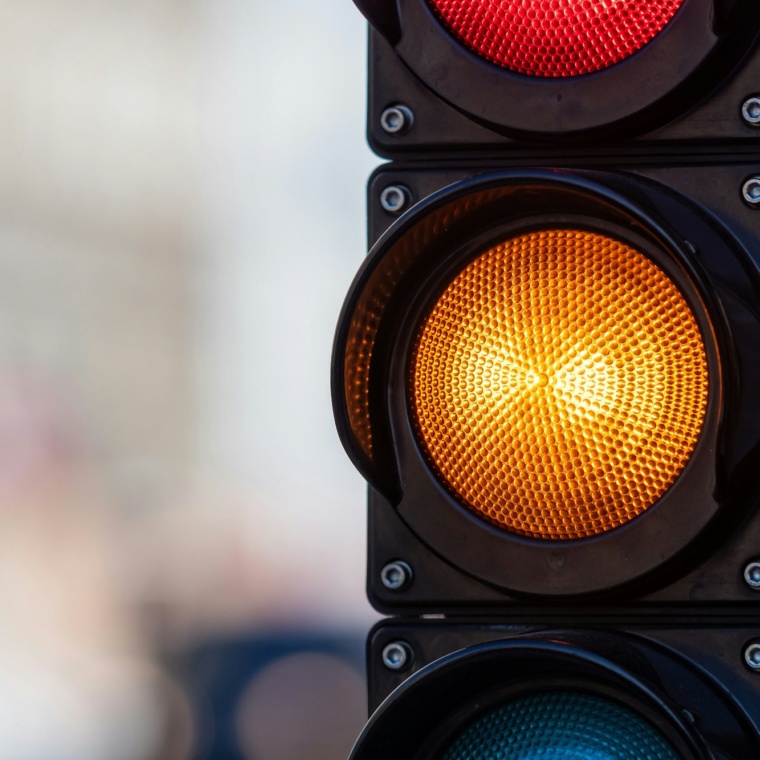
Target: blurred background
181,535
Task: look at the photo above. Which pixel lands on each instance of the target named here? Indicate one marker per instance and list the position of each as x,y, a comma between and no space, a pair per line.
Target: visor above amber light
622,256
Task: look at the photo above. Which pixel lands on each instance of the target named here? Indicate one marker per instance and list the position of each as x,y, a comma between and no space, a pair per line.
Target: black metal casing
687,678
408,521
656,152
685,90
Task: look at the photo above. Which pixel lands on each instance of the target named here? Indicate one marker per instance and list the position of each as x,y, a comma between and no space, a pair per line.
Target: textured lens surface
561,726
555,38
559,384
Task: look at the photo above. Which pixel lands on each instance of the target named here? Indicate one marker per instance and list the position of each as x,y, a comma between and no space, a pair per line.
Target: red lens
555,38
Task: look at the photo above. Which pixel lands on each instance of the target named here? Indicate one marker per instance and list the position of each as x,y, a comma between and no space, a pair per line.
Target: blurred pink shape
39,438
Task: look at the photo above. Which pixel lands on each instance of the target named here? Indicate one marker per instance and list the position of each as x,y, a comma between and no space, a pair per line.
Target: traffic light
547,369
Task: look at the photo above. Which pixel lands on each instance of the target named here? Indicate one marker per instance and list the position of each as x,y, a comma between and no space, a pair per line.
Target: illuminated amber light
559,384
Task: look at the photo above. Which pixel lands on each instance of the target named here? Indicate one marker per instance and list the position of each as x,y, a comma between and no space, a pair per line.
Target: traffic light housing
546,371
688,84
660,690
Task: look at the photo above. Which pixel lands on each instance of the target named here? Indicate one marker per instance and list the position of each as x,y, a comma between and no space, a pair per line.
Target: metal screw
395,198
396,575
751,191
395,120
751,111
752,655
752,574
397,655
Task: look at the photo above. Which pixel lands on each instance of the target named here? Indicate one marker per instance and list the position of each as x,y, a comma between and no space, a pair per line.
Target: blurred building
181,201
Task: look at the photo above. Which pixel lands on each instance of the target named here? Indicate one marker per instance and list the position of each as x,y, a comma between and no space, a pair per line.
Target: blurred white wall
99,193
284,174
181,213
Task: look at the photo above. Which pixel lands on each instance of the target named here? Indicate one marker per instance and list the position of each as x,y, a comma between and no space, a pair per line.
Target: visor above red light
555,38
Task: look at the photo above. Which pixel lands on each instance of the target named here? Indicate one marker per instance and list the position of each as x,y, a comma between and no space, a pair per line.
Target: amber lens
559,384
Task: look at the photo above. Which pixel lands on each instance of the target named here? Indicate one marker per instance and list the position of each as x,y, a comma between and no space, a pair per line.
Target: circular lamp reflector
561,726
559,384
555,38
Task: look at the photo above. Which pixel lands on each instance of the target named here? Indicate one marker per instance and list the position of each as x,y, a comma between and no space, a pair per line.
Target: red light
555,38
